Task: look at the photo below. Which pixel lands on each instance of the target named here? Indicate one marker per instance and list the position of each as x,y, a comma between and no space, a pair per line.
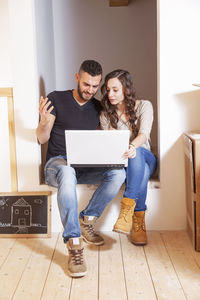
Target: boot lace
90,229
77,256
139,223
124,210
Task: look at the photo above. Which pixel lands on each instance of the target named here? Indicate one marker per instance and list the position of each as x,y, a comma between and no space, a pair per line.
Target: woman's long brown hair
129,98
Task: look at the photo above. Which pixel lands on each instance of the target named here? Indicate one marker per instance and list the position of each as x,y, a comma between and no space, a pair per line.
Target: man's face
87,85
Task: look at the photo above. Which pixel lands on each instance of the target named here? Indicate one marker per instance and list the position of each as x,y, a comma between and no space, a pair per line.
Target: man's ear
77,77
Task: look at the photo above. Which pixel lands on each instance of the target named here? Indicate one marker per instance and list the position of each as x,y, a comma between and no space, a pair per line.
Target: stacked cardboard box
192,169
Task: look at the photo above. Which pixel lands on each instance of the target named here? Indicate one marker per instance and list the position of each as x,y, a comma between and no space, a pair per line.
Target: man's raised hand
45,109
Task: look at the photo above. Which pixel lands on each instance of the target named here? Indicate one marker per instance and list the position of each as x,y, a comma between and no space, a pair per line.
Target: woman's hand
131,152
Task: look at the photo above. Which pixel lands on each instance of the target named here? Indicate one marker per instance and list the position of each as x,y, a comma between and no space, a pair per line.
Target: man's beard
80,93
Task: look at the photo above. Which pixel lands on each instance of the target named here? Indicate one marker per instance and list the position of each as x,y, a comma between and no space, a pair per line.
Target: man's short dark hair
92,67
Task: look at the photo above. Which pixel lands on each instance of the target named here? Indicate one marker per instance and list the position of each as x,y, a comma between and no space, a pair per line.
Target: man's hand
45,110
46,120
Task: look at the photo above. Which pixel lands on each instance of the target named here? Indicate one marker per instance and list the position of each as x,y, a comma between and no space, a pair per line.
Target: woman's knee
138,161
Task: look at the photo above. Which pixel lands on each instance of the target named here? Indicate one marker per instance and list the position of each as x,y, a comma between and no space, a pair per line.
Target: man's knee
117,175
66,173
121,175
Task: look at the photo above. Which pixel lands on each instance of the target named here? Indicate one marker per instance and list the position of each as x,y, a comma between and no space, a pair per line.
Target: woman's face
115,91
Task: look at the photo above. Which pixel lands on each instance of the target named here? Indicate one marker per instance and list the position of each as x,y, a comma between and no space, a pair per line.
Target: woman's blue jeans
138,172
65,178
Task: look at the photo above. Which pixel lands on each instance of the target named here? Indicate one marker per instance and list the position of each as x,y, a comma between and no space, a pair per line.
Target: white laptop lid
96,148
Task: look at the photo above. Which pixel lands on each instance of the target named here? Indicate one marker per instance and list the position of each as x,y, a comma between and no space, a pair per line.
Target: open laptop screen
96,148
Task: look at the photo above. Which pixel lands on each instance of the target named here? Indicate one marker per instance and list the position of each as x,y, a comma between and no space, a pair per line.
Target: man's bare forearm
43,133
46,120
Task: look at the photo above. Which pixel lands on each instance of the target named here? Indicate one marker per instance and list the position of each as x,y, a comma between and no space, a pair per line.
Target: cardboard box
192,172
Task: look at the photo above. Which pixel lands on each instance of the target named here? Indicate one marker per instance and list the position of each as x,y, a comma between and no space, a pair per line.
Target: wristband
132,145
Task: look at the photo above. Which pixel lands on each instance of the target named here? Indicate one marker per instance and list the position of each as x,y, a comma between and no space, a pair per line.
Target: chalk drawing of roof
21,202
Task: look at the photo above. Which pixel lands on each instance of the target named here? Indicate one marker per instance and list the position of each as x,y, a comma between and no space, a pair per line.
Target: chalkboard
25,214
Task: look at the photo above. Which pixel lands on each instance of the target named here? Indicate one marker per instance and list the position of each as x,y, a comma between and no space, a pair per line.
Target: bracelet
132,145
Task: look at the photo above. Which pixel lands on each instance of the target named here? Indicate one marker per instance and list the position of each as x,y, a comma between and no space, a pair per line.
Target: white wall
5,174
24,69
5,46
5,81
45,46
179,104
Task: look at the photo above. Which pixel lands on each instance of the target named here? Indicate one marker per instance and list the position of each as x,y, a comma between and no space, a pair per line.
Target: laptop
97,148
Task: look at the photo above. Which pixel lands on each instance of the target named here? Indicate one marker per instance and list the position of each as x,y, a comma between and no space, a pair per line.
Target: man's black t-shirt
70,116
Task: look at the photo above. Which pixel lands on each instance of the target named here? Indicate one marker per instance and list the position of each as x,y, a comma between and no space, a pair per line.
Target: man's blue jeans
138,172
65,178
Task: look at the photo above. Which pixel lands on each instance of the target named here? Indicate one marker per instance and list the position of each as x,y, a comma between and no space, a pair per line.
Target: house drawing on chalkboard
27,214
21,214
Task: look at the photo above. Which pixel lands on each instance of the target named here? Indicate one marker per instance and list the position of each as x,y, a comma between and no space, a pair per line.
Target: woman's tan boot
138,233
124,221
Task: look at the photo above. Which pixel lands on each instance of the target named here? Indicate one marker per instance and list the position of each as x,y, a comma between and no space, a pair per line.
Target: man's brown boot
138,233
124,221
88,233
76,262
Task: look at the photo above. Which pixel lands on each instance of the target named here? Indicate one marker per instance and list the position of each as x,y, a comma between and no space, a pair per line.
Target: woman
123,111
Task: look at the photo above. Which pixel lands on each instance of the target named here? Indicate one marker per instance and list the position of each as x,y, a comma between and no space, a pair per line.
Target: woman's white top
144,114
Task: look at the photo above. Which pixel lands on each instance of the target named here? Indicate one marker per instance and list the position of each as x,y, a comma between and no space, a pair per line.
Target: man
76,109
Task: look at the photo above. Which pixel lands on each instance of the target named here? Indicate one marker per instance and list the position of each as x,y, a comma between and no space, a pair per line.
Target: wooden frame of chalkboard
25,214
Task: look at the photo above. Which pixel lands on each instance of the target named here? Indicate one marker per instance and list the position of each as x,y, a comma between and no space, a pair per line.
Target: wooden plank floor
167,268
